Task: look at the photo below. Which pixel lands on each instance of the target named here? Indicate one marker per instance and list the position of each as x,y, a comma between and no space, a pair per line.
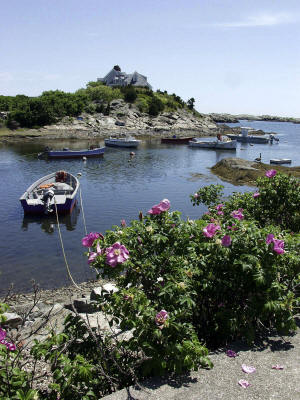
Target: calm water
112,189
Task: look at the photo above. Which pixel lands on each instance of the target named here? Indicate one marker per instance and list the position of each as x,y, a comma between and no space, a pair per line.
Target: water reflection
48,222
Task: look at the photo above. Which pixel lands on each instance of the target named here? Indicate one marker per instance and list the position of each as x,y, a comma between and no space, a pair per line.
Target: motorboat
56,191
176,140
127,141
67,153
280,161
223,144
244,137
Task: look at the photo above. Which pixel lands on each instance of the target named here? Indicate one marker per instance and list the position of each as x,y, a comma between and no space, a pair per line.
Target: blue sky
231,56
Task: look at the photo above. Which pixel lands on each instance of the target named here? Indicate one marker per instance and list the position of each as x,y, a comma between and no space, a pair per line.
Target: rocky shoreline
229,118
242,172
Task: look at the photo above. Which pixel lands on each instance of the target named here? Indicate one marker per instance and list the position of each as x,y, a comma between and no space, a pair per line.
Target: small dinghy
127,141
67,153
54,191
280,161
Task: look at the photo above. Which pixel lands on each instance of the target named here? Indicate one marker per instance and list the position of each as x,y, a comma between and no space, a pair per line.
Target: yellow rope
63,249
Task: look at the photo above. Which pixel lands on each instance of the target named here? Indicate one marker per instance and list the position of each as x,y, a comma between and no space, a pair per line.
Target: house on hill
118,78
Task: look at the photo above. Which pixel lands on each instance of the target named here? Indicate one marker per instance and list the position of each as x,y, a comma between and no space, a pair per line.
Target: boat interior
60,184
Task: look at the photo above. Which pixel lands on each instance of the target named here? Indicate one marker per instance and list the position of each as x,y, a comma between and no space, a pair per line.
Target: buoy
132,154
84,158
79,174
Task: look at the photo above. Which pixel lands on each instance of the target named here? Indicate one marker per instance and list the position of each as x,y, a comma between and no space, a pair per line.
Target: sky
231,56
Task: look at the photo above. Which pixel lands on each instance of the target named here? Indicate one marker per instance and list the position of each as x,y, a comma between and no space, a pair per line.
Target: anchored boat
280,161
56,191
128,141
222,144
67,153
176,140
245,138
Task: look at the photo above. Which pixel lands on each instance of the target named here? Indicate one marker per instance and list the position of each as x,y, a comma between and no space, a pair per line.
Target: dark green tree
190,103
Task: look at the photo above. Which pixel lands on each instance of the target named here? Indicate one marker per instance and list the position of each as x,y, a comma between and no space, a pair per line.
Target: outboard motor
47,197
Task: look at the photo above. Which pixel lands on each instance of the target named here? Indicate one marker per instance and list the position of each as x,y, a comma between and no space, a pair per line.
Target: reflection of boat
245,138
280,161
224,144
176,140
48,222
128,141
58,188
66,153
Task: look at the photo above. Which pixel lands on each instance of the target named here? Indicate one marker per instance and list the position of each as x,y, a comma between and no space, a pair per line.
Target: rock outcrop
228,118
243,172
125,118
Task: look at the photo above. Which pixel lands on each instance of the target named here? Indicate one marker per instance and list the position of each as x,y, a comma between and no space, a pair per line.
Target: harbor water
113,188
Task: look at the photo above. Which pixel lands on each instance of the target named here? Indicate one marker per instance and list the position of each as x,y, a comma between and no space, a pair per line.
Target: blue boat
56,191
67,153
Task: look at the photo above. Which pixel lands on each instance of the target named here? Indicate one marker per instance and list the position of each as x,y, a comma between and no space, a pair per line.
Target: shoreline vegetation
98,111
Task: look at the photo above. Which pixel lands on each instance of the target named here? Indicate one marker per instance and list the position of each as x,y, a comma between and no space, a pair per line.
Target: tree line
53,105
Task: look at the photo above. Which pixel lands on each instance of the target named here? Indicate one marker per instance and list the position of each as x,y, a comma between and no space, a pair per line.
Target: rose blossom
256,194
238,214
93,254
270,238
219,207
278,246
157,209
226,241
116,254
210,230
89,239
270,173
161,318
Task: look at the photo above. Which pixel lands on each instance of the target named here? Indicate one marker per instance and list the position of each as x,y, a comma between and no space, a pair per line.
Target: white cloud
260,20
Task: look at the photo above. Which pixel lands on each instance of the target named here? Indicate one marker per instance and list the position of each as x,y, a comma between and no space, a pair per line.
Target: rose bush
232,274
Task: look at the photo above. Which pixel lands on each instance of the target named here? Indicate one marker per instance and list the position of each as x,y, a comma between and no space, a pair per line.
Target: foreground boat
176,140
66,153
214,144
122,142
58,188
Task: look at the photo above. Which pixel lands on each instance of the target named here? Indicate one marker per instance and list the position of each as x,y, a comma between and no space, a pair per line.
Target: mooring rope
63,249
82,210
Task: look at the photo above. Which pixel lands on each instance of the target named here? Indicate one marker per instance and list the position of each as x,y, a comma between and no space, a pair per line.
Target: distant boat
67,153
128,141
245,138
280,161
58,188
176,140
214,144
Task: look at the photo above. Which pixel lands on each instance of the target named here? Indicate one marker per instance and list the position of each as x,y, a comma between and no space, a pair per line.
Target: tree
190,103
130,94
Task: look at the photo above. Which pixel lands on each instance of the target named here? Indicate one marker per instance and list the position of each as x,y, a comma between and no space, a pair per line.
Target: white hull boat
214,144
122,142
56,191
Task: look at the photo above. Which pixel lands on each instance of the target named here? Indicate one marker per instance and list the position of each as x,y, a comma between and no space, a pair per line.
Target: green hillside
51,106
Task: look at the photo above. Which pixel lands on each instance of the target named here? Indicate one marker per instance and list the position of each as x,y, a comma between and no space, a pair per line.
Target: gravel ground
221,382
